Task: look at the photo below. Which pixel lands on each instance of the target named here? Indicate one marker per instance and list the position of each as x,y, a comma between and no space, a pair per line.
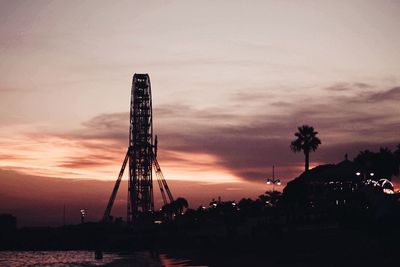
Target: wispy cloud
341,87
200,143
392,94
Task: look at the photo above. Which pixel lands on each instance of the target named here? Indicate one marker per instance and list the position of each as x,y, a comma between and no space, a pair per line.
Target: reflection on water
86,258
170,262
54,258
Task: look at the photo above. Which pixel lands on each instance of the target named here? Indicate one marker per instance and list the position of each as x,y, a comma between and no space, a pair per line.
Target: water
54,258
86,259
171,262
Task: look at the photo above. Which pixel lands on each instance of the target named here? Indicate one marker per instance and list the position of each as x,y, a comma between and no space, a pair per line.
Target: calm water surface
54,258
86,258
171,262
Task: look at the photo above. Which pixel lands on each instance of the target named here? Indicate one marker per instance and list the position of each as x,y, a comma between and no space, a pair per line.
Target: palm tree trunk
307,163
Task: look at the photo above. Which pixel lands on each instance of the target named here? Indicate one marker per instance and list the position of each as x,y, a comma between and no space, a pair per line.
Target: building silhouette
332,190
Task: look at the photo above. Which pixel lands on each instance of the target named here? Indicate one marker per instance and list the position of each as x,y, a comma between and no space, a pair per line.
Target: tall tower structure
140,187
141,155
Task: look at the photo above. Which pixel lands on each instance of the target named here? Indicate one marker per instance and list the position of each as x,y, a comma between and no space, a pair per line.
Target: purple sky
231,82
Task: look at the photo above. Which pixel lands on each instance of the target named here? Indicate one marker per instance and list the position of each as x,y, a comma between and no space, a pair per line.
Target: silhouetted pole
82,216
273,181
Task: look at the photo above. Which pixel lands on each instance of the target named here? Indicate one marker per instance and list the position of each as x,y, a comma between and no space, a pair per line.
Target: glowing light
358,173
388,191
82,216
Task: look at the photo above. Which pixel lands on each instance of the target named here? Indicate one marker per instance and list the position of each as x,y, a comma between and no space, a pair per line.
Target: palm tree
306,141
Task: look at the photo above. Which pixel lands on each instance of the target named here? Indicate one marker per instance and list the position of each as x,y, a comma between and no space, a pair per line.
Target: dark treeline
227,233
383,163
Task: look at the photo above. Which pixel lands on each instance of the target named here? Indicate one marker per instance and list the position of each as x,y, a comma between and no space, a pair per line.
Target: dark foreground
306,248
317,244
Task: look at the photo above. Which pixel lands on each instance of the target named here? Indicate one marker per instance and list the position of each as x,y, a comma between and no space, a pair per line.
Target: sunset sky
231,81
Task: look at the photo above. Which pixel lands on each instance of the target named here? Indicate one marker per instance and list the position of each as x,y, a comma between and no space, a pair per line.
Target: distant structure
332,187
142,155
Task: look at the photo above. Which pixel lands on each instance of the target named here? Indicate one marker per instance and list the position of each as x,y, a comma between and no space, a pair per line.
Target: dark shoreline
307,244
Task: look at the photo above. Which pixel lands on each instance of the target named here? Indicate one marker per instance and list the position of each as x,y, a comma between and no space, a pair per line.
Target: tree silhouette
168,210
383,164
180,203
306,141
397,157
175,208
270,198
387,163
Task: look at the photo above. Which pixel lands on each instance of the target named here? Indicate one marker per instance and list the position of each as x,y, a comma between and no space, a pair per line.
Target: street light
273,181
82,216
